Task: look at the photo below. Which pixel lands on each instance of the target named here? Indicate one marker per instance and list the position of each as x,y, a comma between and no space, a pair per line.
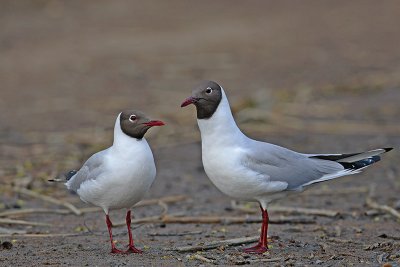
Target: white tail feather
331,176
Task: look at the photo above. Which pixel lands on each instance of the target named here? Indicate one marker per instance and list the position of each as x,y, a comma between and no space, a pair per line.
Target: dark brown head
206,97
135,124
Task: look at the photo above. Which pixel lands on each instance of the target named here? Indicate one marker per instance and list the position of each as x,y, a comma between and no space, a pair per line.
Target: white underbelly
234,179
117,191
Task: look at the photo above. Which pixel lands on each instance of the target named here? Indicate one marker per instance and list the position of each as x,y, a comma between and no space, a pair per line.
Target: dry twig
219,219
49,199
243,261
264,260
17,212
147,202
161,201
21,222
39,235
201,258
11,231
176,234
164,207
305,211
344,241
373,204
215,244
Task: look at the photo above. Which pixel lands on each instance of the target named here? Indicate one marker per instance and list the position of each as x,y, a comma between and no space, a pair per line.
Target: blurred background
314,76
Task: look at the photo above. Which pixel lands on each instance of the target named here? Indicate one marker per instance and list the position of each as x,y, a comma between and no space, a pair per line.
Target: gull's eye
208,90
132,118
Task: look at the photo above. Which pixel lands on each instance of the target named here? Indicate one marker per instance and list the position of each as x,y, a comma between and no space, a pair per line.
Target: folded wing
300,170
92,168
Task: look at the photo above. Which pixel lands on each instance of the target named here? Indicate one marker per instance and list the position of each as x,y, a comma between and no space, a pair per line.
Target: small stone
372,213
6,245
358,230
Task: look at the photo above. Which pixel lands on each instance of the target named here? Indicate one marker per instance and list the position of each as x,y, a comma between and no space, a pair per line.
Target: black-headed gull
251,170
119,176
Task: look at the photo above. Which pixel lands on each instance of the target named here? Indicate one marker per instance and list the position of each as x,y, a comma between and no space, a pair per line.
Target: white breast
130,171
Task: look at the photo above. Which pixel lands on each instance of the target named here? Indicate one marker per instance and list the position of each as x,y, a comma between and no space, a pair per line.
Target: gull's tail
65,177
355,161
352,163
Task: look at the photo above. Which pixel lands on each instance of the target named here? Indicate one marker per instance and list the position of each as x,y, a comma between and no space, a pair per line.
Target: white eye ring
132,118
209,90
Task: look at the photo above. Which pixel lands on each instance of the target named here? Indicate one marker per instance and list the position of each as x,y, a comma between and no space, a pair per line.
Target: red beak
188,101
154,123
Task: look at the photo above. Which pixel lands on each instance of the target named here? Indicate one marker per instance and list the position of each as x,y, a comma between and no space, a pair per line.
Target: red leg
109,225
262,245
131,248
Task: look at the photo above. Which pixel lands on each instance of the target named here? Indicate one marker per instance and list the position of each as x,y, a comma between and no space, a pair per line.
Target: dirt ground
313,76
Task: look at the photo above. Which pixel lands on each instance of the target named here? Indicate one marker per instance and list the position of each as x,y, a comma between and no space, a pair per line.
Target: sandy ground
312,76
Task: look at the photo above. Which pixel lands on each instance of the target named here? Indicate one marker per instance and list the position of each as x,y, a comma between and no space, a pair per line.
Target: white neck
121,140
221,125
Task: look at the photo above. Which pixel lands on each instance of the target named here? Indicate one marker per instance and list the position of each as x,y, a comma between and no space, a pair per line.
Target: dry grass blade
296,210
215,244
21,222
163,201
39,235
17,212
11,231
201,258
219,219
306,211
160,201
265,260
344,241
373,204
176,234
164,206
52,200
211,219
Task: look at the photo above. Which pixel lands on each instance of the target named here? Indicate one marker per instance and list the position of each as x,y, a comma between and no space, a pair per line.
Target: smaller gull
119,176
251,170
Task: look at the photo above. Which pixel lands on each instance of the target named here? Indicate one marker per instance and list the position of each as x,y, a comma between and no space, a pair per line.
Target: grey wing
92,168
285,165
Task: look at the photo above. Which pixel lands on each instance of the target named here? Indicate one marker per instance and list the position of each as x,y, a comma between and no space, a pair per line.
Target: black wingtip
387,149
361,163
56,180
69,174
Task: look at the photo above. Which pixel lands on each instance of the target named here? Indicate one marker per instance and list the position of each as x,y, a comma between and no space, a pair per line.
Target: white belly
228,174
121,187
